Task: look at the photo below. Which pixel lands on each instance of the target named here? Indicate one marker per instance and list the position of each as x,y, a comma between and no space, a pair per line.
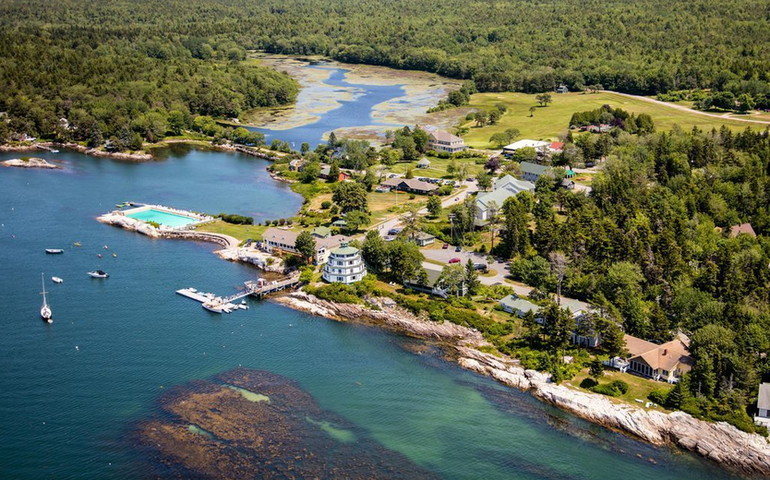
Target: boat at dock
98,274
57,280
45,311
54,251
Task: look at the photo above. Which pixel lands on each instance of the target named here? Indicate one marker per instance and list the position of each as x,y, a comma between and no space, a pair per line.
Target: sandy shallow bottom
421,91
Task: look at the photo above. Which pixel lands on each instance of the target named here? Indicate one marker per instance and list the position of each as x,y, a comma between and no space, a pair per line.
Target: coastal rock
129,223
718,441
30,163
263,261
392,317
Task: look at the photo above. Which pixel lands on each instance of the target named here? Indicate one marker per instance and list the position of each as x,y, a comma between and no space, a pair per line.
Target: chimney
665,350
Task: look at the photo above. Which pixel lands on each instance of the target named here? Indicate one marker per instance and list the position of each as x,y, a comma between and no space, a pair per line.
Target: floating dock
259,288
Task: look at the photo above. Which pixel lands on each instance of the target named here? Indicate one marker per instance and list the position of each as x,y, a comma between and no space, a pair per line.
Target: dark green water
70,392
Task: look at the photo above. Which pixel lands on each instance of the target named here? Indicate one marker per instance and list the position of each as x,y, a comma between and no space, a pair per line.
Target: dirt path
724,116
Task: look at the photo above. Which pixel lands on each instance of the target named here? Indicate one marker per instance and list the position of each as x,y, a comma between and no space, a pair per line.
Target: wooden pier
259,288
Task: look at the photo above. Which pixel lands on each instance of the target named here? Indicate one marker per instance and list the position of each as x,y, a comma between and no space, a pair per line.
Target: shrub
620,386
236,219
605,389
658,396
588,383
326,204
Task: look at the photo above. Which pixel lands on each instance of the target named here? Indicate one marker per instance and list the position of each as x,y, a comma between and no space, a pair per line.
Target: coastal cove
71,392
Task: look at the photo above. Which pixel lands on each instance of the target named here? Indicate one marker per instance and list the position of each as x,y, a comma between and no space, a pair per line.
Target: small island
26,162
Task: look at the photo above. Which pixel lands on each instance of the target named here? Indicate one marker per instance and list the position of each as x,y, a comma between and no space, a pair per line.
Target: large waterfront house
411,185
763,406
742,229
282,240
666,362
442,141
504,188
344,265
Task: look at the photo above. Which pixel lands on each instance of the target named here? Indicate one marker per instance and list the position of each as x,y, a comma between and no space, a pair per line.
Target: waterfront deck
259,288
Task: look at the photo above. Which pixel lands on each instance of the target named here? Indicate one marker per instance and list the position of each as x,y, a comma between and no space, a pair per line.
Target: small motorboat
114,254
45,311
54,251
99,255
106,247
77,244
57,280
98,274
54,151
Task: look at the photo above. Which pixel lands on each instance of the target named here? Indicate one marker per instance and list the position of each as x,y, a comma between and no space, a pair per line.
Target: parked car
458,249
394,231
389,238
480,266
470,179
445,246
454,260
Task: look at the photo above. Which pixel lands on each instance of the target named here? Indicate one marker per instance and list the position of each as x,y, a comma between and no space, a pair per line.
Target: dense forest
126,65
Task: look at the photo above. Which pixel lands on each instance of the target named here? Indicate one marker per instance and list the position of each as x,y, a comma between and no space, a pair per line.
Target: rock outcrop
129,223
387,314
263,261
29,163
719,441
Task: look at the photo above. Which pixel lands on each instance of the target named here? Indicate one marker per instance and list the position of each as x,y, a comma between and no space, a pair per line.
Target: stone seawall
720,442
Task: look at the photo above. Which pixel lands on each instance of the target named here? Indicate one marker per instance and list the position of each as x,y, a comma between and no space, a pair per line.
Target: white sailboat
45,310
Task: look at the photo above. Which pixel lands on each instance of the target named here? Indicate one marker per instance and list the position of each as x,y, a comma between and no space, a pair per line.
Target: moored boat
57,280
54,251
98,274
77,244
45,310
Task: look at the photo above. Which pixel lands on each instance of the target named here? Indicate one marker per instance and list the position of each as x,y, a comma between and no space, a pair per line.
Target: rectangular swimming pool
163,218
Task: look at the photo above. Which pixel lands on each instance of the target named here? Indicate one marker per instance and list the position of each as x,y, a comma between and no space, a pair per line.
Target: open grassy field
549,122
437,167
241,232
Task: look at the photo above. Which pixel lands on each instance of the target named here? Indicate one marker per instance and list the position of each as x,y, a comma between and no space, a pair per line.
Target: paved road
724,116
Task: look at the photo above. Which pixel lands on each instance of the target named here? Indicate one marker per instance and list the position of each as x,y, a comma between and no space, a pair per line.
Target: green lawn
437,167
241,232
637,387
549,122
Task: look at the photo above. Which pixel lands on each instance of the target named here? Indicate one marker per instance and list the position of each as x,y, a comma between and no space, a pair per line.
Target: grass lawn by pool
162,217
549,122
437,167
241,232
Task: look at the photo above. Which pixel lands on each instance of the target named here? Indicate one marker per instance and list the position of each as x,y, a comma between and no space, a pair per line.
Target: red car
454,260
446,245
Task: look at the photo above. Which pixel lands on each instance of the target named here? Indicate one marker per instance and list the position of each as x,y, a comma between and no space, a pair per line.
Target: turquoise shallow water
162,218
70,392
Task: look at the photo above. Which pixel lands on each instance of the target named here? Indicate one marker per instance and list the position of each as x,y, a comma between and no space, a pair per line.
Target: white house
442,141
504,188
533,171
345,265
540,147
763,405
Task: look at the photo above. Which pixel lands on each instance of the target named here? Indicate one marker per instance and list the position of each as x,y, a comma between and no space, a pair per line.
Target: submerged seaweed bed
254,424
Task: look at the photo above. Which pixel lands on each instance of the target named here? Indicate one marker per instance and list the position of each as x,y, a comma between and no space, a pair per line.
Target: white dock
217,304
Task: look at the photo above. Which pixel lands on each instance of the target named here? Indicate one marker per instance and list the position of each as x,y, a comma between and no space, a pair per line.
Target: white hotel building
345,265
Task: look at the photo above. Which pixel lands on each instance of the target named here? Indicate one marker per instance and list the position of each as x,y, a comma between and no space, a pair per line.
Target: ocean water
71,392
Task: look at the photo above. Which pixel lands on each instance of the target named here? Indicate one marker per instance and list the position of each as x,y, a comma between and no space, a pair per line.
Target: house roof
345,249
516,303
331,242
666,356
326,170
442,136
536,144
745,228
321,231
509,187
763,401
557,146
412,183
534,168
280,235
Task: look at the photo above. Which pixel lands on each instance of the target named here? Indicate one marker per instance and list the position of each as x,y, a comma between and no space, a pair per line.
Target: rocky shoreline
720,442
30,163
